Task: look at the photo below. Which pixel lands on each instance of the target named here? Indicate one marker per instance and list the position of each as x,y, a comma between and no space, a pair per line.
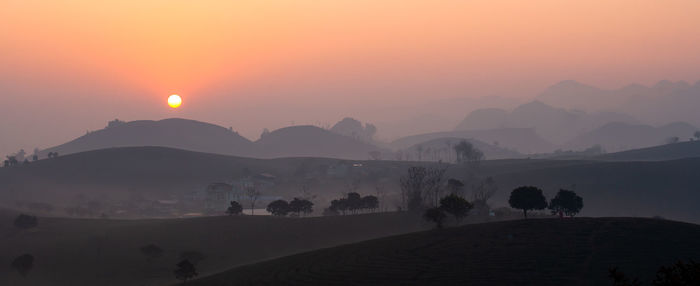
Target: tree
340,205
455,186
12,161
481,193
185,270
370,202
24,221
192,256
278,208
456,206
300,206
151,251
435,215
354,201
23,264
467,153
680,273
672,140
697,135
620,279
566,202
252,193
421,185
235,208
527,198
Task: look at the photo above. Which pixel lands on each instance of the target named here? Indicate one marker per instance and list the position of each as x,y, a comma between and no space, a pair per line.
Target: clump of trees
234,209
151,251
352,203
453,205
566,202
467,153
297,207
23,264
52,155
527,198
24,221
421,188
185,271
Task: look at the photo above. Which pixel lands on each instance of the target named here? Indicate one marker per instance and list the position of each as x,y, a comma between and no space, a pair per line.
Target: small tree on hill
234,209
354,202
340,206
566,202
23,264
151,251
456,206
527,198
278,208
252,193
185,271
300,206
24,221
435,215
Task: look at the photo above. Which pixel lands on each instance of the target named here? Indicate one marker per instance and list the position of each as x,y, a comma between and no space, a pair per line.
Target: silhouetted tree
566,202
680,273
151,251
192,256
456,206
435,215
278,208
697,135
527,198
455,187
672,140
482,192
252,193
300,206
420,184
620,279
23,264
467,153
370,203
24,221
340,205
354,201
234,209
12,161
185,271
35,157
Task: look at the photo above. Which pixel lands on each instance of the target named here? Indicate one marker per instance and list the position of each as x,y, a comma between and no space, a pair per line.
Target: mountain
618,136
175,133
523,140
204,137
521,252
312,141
554,124
664,102
443,149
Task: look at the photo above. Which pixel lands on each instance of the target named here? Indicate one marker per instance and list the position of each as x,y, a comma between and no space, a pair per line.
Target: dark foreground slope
106,252
525,252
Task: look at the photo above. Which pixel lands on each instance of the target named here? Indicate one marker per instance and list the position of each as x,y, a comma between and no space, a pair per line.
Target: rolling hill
618,136
680,150
198,136
76,252
523,140
443,149
610,188
523,252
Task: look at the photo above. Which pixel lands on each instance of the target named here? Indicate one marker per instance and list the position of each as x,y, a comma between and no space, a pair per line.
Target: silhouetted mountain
524,140
204,137
176,133
442,149
622,136
311,141
661,103
557,125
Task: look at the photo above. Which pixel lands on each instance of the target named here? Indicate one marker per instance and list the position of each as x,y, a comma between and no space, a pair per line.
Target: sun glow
174,101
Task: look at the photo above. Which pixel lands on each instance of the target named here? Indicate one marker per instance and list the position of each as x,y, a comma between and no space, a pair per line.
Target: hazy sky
69,66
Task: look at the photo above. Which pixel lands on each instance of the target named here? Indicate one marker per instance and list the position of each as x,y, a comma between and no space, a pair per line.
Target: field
78,252
522,252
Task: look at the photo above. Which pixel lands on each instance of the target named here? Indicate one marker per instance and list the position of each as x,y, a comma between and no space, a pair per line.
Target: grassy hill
524,252
663,188
688,149
91,252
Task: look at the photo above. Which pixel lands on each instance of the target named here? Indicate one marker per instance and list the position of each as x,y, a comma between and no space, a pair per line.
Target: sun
174,101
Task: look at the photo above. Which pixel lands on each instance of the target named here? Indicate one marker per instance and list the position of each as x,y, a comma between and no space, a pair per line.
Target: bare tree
467,153
420,185
252,193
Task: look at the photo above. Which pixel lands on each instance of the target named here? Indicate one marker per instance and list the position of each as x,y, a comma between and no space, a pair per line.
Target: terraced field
524,252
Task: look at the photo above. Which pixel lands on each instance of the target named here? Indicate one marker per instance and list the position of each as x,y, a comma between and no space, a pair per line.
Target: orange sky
231,59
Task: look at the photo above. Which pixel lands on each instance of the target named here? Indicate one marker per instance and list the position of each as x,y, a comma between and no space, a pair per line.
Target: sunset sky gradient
69,66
